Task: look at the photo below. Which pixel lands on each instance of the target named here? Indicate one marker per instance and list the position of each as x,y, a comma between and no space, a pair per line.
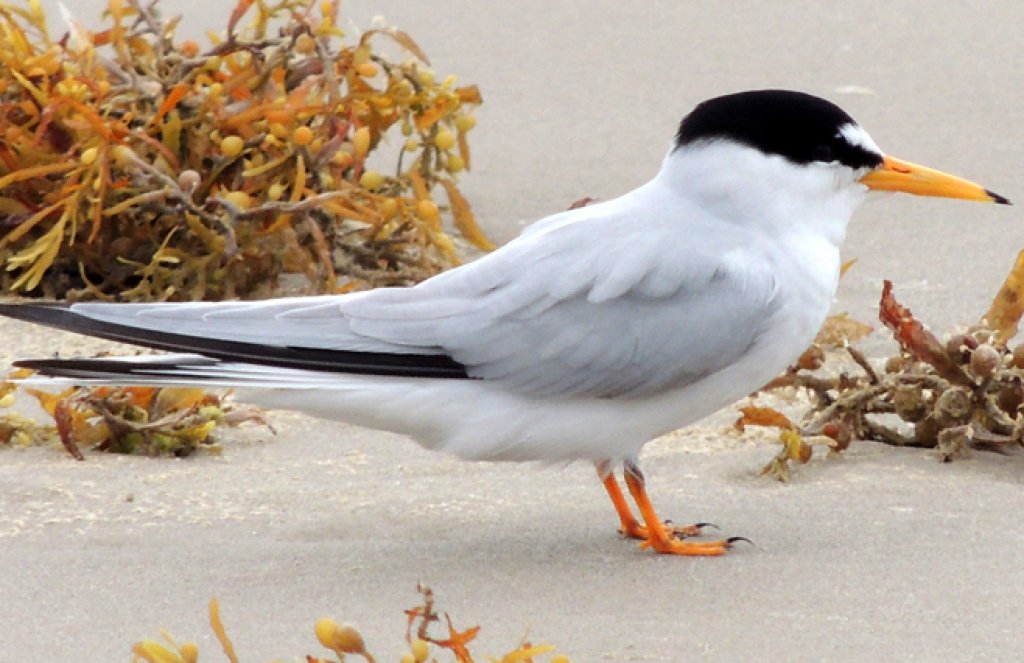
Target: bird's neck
762,194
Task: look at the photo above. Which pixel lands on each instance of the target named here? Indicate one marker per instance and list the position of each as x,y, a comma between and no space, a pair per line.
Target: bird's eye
823,153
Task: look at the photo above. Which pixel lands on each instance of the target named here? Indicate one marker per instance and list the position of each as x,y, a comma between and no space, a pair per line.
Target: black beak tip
997,199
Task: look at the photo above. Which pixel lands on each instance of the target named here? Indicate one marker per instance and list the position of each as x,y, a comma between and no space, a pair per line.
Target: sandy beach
884,554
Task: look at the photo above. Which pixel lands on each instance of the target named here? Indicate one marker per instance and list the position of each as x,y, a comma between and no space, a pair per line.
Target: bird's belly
476,420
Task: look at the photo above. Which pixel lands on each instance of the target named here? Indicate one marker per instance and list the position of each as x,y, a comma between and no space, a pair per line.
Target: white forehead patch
857,137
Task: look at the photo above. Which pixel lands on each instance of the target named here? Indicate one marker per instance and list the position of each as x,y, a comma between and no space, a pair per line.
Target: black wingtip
60,316
997,199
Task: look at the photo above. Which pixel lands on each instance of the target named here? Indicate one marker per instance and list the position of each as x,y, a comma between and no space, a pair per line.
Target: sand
884,554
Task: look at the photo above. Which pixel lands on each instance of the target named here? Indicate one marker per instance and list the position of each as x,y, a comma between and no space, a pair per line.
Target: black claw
733,539
703,525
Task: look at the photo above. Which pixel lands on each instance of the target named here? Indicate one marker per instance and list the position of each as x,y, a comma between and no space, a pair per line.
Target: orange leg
631,527
655,533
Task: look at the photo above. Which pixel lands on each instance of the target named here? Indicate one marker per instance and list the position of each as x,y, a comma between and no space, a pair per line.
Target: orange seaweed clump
136,166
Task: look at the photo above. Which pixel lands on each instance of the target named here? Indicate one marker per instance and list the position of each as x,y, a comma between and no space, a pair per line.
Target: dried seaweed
346,640
16,430
171,421
1008,306
137,166
952,396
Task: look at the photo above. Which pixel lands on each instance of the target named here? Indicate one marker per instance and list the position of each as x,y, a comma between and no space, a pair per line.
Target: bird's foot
675,546
635,530
661,536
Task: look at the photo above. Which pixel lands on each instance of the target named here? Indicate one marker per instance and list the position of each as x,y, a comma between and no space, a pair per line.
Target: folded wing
553,314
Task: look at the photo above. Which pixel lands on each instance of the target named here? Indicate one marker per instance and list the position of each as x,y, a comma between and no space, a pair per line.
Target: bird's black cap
797,126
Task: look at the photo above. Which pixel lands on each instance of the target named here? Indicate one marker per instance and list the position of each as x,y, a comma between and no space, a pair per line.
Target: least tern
595,331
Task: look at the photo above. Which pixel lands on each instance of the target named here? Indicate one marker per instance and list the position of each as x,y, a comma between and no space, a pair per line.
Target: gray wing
598,303
630,315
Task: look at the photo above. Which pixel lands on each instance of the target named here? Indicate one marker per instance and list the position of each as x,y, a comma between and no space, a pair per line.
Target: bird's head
800,150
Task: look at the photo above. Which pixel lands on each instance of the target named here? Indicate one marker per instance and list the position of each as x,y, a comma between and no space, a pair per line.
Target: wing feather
598,302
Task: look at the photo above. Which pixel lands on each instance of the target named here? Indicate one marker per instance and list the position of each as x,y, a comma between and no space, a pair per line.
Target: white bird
595,331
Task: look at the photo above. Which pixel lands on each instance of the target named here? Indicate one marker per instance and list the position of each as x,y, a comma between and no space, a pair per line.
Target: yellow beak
897,175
